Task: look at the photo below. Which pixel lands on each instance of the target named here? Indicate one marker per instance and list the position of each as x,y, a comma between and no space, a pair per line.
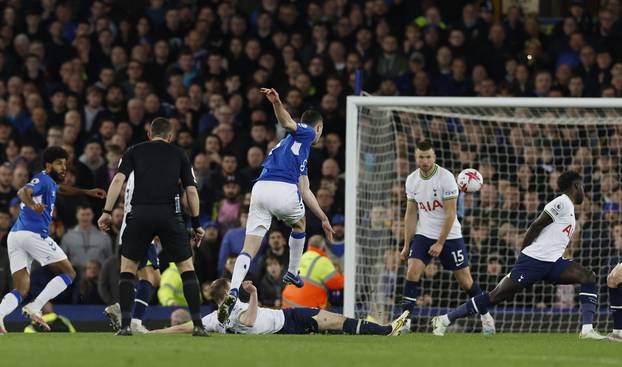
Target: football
470,180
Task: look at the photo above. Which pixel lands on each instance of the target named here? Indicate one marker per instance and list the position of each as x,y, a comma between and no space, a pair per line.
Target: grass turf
507,350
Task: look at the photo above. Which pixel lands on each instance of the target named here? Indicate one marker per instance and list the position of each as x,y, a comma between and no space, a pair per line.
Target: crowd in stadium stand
90,75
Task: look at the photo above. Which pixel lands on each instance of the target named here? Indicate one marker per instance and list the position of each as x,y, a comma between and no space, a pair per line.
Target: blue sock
143,296
474,292
615,302
362,327
589,300
411,292
470,307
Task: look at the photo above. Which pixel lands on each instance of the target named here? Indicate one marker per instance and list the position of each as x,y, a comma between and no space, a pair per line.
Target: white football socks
9,303
242,264
55,287
296,247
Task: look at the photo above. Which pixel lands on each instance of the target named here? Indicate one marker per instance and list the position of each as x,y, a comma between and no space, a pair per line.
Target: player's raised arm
311,201
249,316
410,227
284,118
536,227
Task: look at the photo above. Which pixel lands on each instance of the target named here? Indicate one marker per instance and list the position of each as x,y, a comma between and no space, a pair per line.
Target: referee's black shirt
158,167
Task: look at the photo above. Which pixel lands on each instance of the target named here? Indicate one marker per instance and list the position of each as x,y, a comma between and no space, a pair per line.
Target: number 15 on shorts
458,257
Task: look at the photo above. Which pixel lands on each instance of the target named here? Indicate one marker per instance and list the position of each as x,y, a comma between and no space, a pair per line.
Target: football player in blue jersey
280,191
29,239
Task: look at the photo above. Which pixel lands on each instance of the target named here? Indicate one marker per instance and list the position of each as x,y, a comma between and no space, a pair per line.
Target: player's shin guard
192,293
411,292
615,303
9,303
470,307
474,292
362,327
143,296
126,297
242,264
589,301
54,287
296,247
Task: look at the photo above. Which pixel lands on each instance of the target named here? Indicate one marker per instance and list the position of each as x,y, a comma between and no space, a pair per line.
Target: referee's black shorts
147,221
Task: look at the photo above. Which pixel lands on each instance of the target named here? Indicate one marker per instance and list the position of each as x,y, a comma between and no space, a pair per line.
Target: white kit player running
29,238
280,191
432,191
541,260
249,318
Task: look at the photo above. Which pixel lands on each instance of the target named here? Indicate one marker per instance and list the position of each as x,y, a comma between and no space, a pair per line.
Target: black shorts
147,221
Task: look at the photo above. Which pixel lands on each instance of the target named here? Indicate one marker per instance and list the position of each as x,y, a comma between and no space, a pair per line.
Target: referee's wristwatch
109,212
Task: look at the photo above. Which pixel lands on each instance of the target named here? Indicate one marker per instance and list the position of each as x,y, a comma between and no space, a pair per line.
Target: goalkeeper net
520,148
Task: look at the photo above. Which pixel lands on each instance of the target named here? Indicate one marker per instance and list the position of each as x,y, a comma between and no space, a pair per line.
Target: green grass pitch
503,350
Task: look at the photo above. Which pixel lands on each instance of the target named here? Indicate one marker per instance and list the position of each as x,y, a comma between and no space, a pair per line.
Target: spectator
277,248
171,291
85,242
206,257
180,316
228,208
88,284
272,283
232,244
336,248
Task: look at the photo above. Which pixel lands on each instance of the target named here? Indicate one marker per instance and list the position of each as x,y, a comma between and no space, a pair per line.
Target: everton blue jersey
288,160
43,192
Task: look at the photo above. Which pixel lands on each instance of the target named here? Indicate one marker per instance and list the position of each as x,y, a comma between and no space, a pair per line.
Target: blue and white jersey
288,160
43,192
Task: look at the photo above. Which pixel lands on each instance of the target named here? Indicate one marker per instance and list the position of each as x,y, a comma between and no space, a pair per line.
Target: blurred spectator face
531,202
583,157
255,157
511,197
497,34
28,152
5,175
494,267
531,155
294,98
124,129
20,177
135,110
609,184
330,168
421,81
480,232
231,190
184,139
575,87
180,316
273,267
152,104
5,221
389,45
70,134
224,115
616,234
387,88
85,217
325,199
114,97
161,50
276,241
458,69
603,60
478,74
212,144
443,57
606,163
587,56
333,87
107,129
230,263
332,143
487,88
488,196
252,50
201,164
543,83
92,270
329,103
431,270
225,133
118,57
229,164
259,133
606,19
71,152
563,74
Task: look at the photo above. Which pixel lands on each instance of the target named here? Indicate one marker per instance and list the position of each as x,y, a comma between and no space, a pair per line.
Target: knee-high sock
470,307
192,293
126,297
474,292
353,326
141,302
589,300
9,303
242,264
296,247
411,292
54,287
615,302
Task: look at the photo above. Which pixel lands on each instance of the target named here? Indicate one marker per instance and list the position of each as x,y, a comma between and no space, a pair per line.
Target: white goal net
520,146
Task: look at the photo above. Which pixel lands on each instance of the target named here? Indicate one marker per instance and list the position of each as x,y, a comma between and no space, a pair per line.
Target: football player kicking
249,318
541,259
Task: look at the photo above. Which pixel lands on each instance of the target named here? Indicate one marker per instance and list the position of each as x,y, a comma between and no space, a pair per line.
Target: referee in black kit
158,167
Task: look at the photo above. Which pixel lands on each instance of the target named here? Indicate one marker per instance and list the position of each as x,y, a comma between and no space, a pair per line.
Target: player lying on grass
541,259
249,318
614,283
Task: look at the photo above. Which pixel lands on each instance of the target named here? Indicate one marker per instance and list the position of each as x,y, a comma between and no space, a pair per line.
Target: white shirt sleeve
449,186
211,323
557,208
410,187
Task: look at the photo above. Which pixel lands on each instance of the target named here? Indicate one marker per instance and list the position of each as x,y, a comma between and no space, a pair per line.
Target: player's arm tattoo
535,228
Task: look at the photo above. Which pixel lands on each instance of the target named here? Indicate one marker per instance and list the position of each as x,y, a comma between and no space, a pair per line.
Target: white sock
617,331
55,287
137,321
586,328
445,320
487,316
242,263
296,247
9,303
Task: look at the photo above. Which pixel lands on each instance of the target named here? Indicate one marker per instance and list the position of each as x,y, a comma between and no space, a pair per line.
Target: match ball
470,180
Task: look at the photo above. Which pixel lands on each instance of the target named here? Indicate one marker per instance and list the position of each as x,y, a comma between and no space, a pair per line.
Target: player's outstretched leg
54,287
472,288
614,284
242,264
575,273
11,300
329,321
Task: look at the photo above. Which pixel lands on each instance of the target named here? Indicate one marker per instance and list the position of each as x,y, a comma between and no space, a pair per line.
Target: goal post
381,133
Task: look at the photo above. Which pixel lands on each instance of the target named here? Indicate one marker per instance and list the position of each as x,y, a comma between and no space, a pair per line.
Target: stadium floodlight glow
380,139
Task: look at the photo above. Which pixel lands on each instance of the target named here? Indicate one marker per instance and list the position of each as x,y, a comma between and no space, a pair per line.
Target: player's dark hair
160,127
311,117
218,289
565,180
53,153
424,145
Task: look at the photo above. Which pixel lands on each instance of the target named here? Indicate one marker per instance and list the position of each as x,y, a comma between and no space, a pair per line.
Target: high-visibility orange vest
319,275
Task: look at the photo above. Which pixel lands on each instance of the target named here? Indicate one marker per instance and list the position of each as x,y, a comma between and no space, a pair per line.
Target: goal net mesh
520,152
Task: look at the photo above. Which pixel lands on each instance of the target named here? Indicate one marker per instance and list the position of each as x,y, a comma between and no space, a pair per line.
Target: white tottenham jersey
552,241
268,321
430,194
